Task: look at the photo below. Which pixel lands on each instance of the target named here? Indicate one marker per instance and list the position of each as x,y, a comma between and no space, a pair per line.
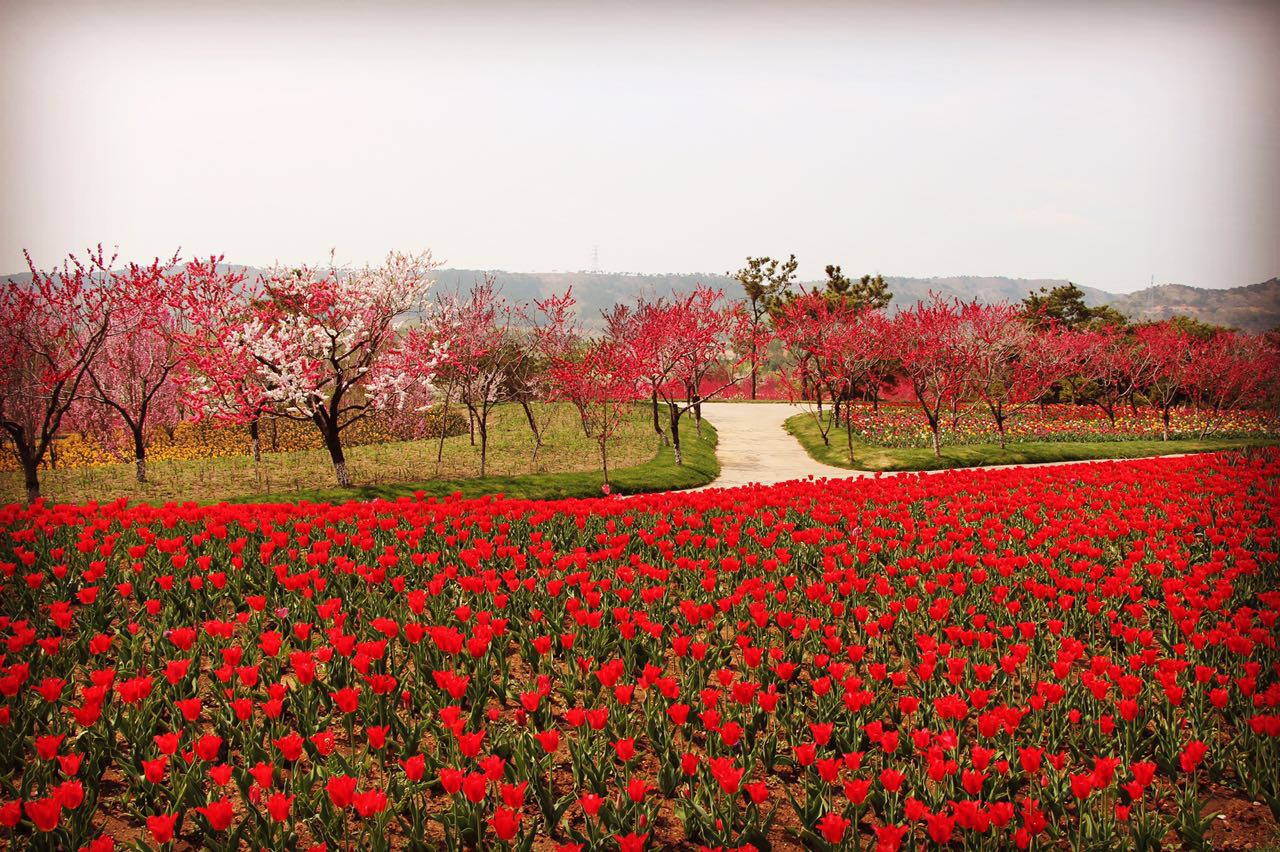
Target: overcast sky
1105,143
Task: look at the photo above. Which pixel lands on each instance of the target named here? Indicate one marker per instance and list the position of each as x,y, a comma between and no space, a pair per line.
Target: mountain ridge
1252,307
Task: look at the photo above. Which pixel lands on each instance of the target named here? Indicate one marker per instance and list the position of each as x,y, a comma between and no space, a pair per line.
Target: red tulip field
1078,657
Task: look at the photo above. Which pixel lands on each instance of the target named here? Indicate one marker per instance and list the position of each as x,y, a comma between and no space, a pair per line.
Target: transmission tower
595,258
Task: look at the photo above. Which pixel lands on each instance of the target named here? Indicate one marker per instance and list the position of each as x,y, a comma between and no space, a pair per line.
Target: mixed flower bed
1081,656
901,425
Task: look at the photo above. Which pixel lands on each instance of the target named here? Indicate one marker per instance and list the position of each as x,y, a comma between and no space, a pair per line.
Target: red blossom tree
1111,366
220,375
1231,371
606,381
1172,354
678,343
1010,364
836,345
928,342
52,328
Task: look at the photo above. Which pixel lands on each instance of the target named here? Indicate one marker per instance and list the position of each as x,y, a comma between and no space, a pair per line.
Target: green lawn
566,466
867,457
660,473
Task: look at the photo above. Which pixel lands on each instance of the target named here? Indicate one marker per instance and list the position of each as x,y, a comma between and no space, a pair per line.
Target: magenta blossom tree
52,329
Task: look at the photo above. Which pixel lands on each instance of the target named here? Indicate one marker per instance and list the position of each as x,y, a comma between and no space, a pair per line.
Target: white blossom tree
322,341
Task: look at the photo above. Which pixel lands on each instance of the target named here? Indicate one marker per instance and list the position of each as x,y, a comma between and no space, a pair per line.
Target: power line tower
595,258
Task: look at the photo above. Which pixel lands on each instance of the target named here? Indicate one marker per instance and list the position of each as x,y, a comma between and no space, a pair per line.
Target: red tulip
505,823
832,827
161,827
219,813
44,813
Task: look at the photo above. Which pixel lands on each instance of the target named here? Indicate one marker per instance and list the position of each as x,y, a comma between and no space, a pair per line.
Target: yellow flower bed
212,439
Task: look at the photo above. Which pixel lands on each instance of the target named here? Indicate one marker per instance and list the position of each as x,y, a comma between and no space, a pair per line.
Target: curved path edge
756,449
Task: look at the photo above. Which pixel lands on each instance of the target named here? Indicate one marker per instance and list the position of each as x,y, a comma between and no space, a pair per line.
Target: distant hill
1252,308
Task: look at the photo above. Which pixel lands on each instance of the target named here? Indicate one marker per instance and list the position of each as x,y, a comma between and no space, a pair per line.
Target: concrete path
754,448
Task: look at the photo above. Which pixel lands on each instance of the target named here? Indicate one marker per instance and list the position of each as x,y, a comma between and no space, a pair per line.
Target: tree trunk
533,425
483,427
275,435
937,441
1000,429
604,461
1165,422
471,423
675,433
139,455
755,361
31,476
255,442
657,423
333,443
444,427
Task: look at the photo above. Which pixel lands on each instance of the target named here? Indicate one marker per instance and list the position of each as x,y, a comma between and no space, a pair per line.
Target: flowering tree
928,342
481,336
1010,364
320,340
1230,371
52,328
602,378
418,363
678,343
1172,355
834,347
1111,365
219,373
133,379
559,342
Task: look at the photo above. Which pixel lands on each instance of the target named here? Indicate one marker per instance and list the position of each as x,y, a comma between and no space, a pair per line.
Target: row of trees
122,350
1004,358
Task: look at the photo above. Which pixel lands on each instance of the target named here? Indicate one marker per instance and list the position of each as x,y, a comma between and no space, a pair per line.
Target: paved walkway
754,448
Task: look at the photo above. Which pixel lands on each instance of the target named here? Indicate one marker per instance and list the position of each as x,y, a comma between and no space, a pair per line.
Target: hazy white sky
1105,143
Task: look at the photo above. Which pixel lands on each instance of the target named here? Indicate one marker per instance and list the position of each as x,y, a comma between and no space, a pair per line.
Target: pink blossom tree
133,379
603,378
481,336
52,328
424,378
